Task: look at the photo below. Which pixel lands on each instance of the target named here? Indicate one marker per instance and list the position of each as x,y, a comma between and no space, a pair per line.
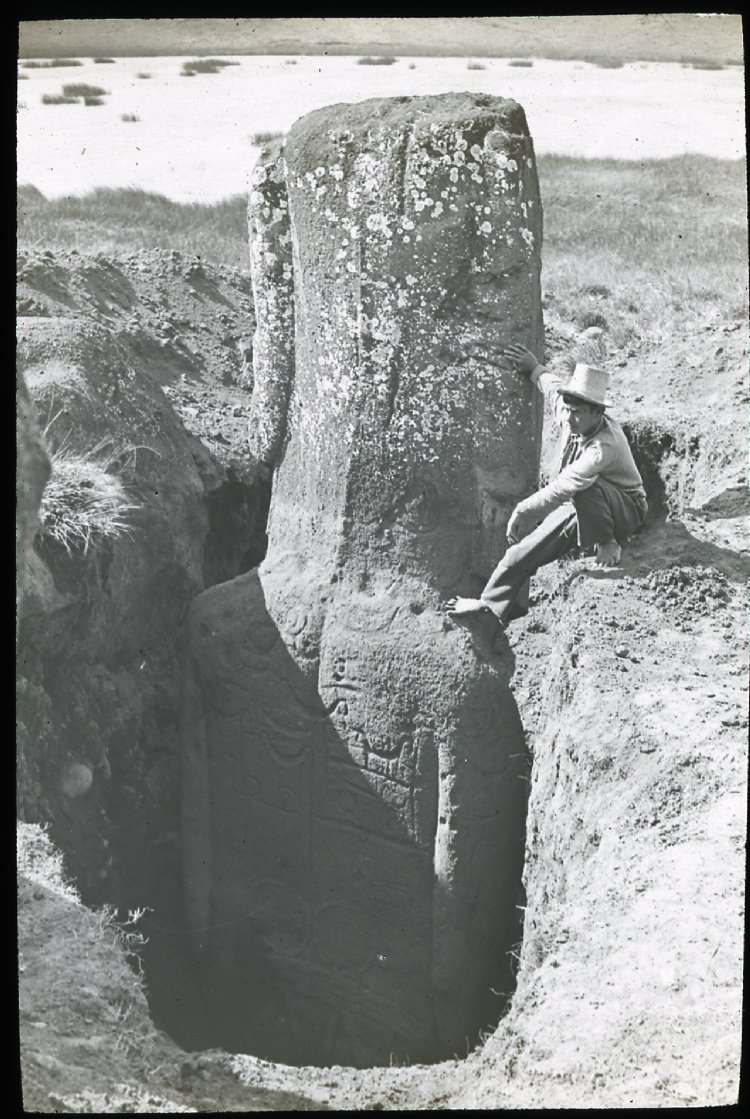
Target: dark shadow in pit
329,924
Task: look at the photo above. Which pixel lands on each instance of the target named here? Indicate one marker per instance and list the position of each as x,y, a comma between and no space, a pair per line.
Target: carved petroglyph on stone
353,799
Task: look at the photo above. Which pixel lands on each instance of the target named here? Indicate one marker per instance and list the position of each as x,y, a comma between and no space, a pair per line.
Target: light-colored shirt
605,454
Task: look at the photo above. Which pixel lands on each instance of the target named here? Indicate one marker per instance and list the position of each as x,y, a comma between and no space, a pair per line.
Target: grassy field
642,246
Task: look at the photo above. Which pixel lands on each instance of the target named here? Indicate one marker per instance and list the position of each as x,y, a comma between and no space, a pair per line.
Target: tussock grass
83,502
376,60
40,862
475,66
206,65
49,64
82,89
103,60
142,74
520,62
607,63
259,138
58,99
129,117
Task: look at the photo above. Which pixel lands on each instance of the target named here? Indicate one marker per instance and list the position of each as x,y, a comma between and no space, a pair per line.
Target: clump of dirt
689,592
191,322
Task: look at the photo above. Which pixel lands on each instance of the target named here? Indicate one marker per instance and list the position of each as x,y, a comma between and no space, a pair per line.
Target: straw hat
588,383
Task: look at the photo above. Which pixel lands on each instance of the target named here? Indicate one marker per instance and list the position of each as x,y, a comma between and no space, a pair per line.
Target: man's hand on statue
522,522
523,360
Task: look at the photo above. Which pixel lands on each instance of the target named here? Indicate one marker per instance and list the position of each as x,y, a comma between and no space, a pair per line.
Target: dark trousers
597,515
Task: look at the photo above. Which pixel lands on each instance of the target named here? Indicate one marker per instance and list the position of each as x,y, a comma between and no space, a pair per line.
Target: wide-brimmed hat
588,383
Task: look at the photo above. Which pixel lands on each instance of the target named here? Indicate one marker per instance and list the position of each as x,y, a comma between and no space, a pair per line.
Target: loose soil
632,687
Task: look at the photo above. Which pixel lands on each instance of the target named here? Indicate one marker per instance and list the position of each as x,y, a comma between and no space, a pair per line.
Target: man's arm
577,476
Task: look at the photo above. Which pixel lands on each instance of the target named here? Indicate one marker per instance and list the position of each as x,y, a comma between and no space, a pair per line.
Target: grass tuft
376,60
58,99
83,503
475,66
51,63
129,117
81,89
40,862
520,62
259,138
206,66
607,63
142,74
103,60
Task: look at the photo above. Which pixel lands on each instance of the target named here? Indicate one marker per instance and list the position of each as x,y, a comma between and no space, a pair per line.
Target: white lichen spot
411,280
351,266
337,172
406,238
256,198
259,176
512,165
453,174
378,223
437,210
476,152
485,227
459,158
407,223
528,236
320,172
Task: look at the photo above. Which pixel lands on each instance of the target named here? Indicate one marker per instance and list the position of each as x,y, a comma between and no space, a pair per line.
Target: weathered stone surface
32,472
353,803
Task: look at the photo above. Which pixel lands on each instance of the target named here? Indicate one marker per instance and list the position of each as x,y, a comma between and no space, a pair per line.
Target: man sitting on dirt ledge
596,502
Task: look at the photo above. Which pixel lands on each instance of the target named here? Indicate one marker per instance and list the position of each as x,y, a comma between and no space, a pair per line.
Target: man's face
583,418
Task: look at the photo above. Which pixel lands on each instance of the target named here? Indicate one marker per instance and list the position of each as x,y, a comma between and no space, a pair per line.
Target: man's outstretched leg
555,536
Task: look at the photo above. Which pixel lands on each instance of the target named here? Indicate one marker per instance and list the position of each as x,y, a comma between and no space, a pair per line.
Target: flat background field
192,138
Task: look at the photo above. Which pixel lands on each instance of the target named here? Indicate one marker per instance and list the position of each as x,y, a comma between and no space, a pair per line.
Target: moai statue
354,803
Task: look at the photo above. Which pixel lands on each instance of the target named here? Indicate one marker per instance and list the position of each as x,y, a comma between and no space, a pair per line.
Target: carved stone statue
353,799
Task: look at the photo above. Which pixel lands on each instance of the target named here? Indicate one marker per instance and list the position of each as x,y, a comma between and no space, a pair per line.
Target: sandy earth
632,686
